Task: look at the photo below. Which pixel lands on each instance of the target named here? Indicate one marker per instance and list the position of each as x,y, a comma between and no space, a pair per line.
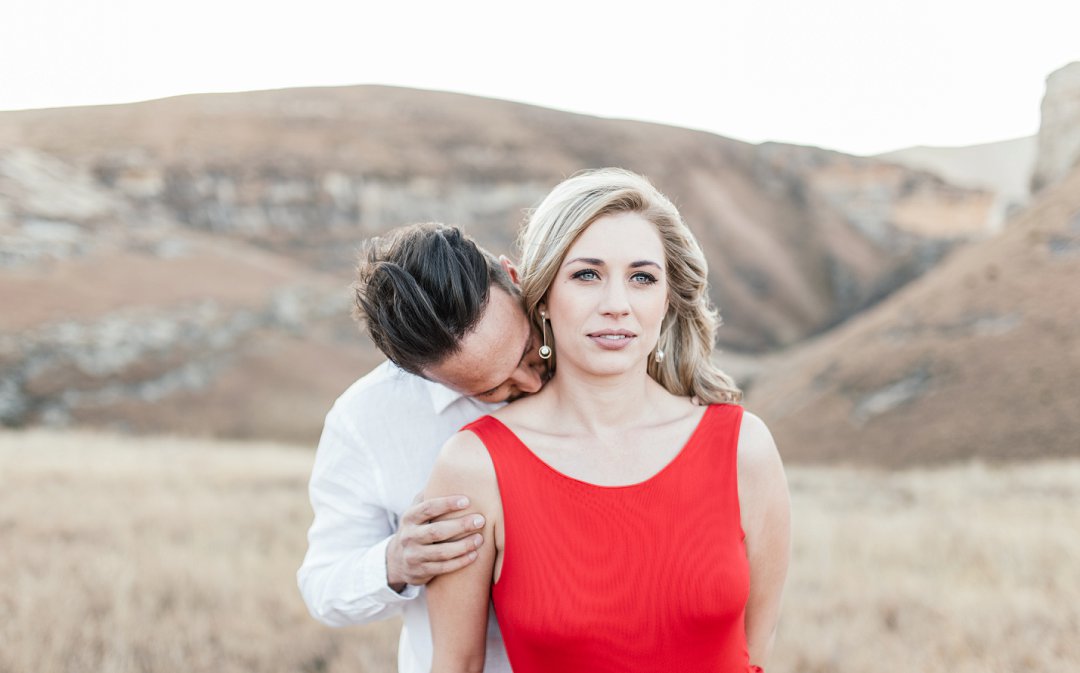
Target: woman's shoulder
463,467
760,468
463,461
464,451
756,444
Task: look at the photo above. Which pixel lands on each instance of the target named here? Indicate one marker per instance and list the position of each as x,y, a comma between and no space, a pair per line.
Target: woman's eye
642,277
586,274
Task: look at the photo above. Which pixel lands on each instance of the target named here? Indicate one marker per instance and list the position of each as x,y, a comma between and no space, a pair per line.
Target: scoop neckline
614,487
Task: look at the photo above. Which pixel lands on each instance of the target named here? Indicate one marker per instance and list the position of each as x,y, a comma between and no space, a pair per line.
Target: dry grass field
134,554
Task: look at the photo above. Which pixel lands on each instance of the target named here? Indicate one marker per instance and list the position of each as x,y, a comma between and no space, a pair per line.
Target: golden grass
137,554
962,569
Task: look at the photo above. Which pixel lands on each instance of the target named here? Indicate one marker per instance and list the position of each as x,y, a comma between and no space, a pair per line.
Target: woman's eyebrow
588,260
595,261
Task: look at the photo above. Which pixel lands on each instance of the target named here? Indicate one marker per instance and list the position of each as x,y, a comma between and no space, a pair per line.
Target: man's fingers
448,551
441,531
428,560
427,510
437,568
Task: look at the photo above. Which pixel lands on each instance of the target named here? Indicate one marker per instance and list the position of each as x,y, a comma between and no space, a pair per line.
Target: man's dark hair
421,288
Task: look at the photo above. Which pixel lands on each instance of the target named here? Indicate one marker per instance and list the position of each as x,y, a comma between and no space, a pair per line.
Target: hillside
1003,168
978,358
179,331
180,264
308,172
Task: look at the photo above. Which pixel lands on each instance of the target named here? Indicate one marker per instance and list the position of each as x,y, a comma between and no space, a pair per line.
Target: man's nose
527,378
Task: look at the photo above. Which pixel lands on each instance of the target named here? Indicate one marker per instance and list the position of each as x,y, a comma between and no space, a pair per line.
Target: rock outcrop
1059,130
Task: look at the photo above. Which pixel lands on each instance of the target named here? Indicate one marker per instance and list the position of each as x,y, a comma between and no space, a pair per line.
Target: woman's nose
615,300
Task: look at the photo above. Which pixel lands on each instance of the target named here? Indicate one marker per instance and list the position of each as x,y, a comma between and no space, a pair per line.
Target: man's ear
510,270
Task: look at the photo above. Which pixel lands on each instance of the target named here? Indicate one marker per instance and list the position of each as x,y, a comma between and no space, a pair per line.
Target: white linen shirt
377,449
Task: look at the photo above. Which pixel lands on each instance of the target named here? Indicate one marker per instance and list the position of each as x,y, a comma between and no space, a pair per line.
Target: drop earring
545,350
658,357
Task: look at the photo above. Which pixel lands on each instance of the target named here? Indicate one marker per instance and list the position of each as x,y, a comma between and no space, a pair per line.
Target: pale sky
860,76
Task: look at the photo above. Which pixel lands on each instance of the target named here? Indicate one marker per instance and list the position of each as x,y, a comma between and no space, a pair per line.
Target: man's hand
422,548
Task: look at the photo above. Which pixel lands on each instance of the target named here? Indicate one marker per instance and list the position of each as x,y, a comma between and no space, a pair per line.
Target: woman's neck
601,404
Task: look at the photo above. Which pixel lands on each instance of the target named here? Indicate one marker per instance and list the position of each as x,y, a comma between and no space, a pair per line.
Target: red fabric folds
651,576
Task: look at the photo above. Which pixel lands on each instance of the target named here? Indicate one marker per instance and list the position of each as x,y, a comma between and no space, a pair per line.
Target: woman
640,517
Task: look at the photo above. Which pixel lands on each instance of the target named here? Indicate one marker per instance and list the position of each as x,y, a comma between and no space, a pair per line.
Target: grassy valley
125,555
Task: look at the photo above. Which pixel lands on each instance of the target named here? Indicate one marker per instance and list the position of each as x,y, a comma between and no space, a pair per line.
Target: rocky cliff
1059,130
181,264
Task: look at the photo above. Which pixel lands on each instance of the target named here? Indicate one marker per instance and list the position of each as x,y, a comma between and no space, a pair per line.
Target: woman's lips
612,339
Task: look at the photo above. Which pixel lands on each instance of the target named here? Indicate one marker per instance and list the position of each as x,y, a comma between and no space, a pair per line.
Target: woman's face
609,296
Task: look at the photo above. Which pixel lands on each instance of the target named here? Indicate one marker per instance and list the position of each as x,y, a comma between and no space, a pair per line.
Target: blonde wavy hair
689,329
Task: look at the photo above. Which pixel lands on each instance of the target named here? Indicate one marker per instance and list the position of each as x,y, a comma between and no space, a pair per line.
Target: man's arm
357,569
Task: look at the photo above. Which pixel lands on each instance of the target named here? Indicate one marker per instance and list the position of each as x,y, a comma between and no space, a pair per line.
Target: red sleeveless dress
651,576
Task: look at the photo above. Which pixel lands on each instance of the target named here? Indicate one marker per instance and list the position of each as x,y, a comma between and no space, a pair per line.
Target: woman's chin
608,363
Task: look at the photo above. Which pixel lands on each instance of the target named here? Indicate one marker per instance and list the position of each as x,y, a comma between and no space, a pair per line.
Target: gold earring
545,350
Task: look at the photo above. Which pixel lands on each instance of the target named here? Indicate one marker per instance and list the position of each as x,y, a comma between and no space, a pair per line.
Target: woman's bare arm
458,601
766,520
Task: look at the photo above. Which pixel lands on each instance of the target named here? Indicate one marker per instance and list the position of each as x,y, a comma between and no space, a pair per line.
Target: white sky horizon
837,74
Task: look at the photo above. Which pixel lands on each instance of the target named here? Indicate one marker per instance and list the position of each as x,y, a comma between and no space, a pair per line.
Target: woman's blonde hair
689,328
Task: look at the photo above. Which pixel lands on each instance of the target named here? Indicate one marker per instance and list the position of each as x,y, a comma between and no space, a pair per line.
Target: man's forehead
508,361
490,352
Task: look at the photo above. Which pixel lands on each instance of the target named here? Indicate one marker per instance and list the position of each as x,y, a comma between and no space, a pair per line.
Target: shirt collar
441,396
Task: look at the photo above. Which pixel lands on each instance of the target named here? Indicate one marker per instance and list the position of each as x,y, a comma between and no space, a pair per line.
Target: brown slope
176,332
798,238
978,358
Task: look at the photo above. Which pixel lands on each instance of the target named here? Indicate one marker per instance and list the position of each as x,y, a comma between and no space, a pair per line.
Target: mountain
1004,168
979,358
1059,129
181,264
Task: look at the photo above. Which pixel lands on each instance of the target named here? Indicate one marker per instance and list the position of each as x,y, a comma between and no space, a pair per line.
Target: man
447,316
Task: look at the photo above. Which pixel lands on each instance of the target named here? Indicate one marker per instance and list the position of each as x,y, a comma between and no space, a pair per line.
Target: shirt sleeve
343,576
